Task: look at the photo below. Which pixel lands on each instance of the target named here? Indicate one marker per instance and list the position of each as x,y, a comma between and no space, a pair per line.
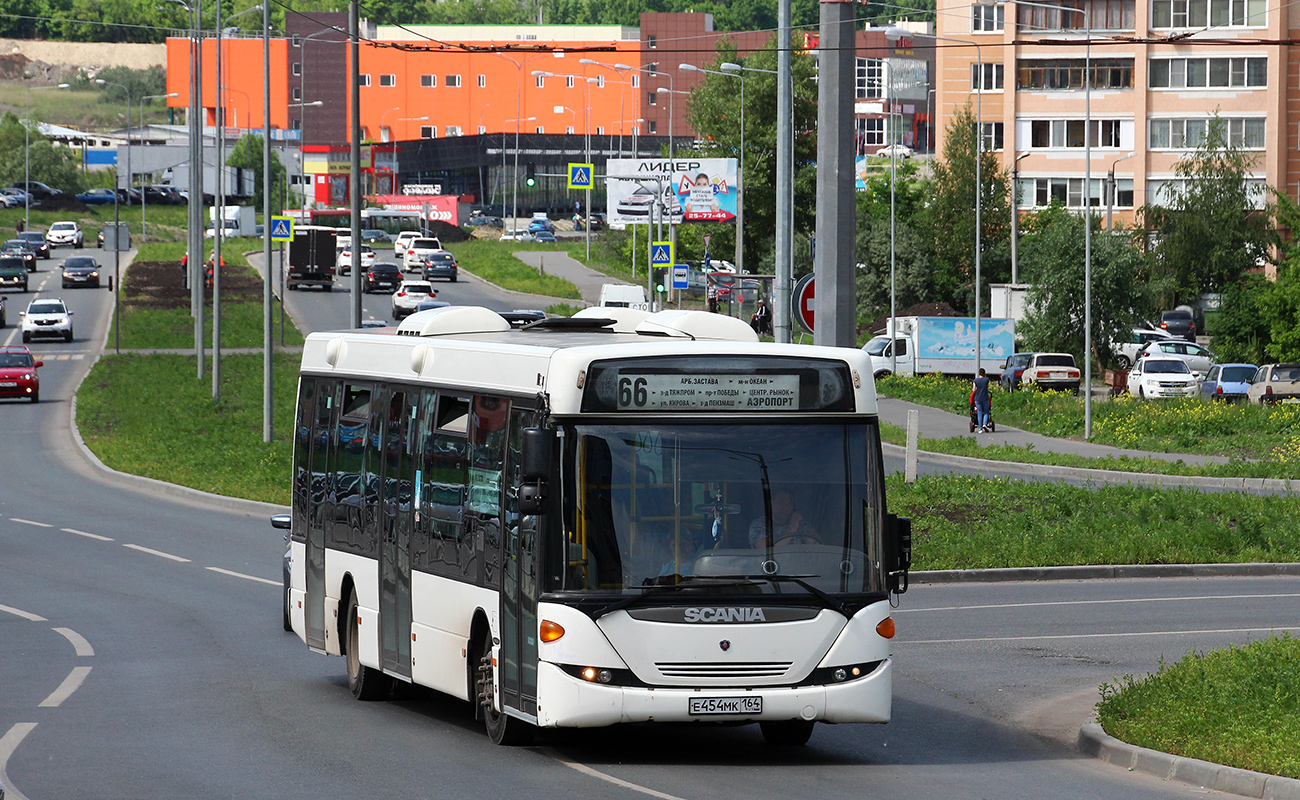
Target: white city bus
585,522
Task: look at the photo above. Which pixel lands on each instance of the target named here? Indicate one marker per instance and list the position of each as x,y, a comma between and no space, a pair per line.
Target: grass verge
1239,707
985,523
495,262
151,416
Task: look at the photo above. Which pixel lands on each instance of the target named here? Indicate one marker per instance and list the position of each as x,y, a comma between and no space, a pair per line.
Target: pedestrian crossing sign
282,229
661,254
580,176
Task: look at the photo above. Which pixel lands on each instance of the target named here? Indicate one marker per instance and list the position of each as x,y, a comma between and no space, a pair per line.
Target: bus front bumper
568,702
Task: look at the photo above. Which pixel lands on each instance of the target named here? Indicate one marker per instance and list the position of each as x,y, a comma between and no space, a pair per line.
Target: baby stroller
974,415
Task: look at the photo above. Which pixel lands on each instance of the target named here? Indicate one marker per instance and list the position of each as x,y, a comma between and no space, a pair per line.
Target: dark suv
1179,323
13,272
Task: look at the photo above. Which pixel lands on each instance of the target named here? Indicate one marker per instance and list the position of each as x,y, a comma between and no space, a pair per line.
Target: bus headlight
608,676
844,674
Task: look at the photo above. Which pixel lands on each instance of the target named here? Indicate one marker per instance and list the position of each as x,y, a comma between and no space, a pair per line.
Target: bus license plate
711,706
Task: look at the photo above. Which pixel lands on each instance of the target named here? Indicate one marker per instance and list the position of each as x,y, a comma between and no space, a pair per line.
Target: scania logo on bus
734,614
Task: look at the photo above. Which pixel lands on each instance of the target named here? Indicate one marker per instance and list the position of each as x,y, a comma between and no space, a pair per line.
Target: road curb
1152,479
1094,741
1102,571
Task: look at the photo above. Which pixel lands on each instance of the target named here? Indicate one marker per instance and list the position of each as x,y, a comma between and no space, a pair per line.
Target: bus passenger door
395,496
518,583
322,509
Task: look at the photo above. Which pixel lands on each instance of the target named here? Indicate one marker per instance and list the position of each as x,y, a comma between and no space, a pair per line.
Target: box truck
311,257
239,221
922,345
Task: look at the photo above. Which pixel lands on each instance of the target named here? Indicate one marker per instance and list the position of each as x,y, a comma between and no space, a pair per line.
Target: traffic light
530,178
661,279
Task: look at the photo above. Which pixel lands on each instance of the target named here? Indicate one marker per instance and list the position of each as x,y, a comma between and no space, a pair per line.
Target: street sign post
282,229
661,257
679,276
580,176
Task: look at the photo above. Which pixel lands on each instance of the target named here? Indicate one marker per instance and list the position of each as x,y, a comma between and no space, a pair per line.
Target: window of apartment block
297,40
986,17
1041,192
454,130
869,82
600,81
1162,192
482,81
871,131
1113,15
387,80
991,132
363,80
297,68
1054,74
1208,13
482,129
385,133
652,126
568,81
1187,134
652,41
986,77
428,81
651,98
296,124
539,129
428,132
451,81
540,81
568,129
1062,133
1200,73
600,130
296,94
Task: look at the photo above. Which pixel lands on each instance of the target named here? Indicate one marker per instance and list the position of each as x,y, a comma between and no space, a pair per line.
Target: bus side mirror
536,460
898,551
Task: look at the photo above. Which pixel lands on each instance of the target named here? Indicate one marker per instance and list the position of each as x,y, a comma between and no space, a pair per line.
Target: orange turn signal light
550,631
886,627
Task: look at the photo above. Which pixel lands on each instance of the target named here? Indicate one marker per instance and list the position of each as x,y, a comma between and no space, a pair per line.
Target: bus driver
788,525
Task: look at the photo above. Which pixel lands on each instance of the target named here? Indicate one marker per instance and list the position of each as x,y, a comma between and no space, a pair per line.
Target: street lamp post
1110,189
1015,217
514,177
144,235
117,242
27,148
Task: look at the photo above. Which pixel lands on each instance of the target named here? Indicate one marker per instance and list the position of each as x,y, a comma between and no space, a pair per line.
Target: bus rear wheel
790,733
501,728
364,682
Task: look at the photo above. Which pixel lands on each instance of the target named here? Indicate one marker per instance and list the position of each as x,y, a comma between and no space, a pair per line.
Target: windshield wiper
827,600
684,582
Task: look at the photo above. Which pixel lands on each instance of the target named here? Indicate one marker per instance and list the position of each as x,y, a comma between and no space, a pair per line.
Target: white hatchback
1161,376
64,233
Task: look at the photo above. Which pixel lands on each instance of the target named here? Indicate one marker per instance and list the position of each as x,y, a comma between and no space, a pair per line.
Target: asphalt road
143,658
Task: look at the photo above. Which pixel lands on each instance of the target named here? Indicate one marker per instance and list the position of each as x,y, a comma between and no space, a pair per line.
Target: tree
911,266
1211,225
714,113
43,161
1052,261
951,216
247,154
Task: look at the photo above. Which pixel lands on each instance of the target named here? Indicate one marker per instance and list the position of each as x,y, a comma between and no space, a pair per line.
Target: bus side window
322,426
445,471
349,467
302,462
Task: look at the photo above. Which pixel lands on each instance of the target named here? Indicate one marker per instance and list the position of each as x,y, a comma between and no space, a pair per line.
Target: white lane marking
8,744
594,773
70,684
158,553
27,615
79,642
87,535
31,522
245,577
1216,598
1101,635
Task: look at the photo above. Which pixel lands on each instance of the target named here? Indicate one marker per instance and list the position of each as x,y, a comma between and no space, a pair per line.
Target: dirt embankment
59,61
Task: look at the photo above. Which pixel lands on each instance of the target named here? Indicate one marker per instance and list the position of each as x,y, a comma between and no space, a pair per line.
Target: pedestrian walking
711,294
980,397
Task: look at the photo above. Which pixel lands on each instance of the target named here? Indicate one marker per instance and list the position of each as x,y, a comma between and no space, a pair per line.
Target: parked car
80,271
65,233
399,244
1051,371
98,197
11,198
162,195
1127,352
18,373
417,252
483,220
38,190
440,264
49,318
13,272
1275,383
409,295
516,236
895,150
22,249
597,222
382,276
38,242
343,259
1228,382
544,237
541,225
1199,358
1011,371
372,235
1179,322
1161,376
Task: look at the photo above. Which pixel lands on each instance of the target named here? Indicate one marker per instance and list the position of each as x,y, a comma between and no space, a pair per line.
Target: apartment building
1160,69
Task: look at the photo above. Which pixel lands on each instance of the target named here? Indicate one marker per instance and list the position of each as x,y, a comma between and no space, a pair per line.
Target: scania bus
581,522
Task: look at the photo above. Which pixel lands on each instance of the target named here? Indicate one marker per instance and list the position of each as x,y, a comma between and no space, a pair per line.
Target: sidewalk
936,424
563,266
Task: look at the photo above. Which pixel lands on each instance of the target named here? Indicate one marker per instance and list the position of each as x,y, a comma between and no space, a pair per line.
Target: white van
403,239
622,295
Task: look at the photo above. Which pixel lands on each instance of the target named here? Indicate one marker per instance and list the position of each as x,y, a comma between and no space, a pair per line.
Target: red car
18,376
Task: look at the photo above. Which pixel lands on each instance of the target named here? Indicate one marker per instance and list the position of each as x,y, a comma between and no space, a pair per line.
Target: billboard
694,190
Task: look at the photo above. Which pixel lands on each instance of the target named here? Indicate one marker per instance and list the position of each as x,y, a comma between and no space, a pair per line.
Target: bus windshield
748,506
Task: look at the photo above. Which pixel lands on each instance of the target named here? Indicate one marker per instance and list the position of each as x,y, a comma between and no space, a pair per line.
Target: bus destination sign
677,392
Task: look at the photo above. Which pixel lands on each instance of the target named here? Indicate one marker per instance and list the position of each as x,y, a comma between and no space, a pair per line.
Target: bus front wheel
364,682
791,733
501,728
